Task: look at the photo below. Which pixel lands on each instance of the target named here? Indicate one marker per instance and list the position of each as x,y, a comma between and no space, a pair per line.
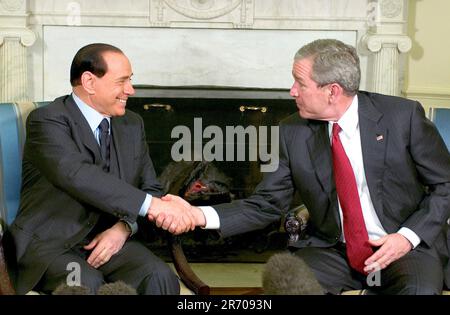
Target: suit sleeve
54,152
432,161
271,198
148,178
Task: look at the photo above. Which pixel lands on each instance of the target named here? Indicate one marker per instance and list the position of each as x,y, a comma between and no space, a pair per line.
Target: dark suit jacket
408,174
64,188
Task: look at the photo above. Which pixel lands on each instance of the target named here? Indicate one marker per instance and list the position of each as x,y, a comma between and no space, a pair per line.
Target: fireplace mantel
236,43
208,91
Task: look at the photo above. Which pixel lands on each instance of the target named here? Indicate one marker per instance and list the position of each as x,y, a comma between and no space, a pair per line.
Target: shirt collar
350,120
92,116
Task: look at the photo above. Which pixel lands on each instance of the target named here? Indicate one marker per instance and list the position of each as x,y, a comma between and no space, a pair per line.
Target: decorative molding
385,71
374,42
429,96
386,49
204,10
391,8
438,92
202,5
27,36
202,13
247,14
160,7
12,5
14,80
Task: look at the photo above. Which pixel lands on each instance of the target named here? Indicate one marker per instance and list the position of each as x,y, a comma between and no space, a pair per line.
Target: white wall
428,71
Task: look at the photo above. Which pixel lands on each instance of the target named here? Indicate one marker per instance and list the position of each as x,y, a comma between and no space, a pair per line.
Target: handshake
174,214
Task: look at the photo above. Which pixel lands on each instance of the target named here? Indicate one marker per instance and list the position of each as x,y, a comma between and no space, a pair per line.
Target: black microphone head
116,288
65,289
287,274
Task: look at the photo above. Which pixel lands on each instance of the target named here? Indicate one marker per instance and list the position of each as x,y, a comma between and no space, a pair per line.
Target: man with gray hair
373,172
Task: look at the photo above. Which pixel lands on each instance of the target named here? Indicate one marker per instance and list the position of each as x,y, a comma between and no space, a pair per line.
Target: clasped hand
173,213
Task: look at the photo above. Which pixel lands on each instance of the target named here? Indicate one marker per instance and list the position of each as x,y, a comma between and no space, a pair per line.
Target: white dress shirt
351,141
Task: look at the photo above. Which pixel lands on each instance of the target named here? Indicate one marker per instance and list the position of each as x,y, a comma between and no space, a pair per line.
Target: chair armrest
6,287
187,275
296,223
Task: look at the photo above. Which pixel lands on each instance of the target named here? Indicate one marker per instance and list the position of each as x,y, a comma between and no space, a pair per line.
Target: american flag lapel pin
379,138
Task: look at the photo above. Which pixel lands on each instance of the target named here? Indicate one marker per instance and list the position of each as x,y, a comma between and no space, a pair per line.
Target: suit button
90,223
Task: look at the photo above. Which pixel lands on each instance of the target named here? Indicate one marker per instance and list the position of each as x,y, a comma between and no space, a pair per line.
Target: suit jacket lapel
374,137
320,154
83,128
319,147
124,144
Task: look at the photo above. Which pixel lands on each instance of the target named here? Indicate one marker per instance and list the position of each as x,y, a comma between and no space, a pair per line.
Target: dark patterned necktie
355,232
105,141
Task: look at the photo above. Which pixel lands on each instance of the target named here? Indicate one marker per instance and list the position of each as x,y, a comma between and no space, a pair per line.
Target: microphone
65,289
116,288
287,274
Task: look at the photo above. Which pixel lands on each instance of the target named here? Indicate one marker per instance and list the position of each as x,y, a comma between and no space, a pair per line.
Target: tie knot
336,129
104,126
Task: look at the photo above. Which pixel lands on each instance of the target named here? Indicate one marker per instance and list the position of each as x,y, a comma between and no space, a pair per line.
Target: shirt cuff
132,226
211,217
145,205
410,236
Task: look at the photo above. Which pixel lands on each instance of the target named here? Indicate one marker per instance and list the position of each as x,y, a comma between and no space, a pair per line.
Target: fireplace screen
209,151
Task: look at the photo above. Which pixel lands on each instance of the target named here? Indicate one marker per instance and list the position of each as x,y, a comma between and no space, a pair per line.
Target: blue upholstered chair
441,118
12,138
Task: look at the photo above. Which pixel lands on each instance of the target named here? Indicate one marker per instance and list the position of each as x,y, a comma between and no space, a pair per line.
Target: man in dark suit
87,177
373,172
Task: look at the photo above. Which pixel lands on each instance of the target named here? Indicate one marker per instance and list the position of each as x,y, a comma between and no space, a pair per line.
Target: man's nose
294,91
129,89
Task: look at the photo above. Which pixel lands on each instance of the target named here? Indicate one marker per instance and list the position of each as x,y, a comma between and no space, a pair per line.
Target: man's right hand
172,213
199,217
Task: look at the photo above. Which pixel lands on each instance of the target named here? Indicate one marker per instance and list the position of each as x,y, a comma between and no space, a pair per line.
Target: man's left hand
106,244
392,247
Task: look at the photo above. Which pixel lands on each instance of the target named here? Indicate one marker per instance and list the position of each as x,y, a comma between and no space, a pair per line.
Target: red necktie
355,232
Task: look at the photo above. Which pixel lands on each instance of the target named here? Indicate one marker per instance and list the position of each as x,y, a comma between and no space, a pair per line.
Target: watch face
127,226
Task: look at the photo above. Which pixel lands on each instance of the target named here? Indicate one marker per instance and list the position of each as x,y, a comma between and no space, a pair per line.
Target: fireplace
193,110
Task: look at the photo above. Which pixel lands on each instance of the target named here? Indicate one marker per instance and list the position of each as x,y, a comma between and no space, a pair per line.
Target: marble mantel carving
15,37
149,29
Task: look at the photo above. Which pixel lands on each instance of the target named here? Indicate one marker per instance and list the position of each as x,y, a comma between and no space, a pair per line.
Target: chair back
13,117
441,118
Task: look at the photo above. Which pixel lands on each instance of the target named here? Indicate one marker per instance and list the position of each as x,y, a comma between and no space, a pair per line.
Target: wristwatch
127,226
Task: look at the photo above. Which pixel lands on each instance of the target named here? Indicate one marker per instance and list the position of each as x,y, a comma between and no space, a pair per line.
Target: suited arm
148,179
271,198
432,161
54,152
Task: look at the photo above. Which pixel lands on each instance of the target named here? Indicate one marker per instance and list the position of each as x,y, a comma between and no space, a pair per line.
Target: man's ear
335,90
88,80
